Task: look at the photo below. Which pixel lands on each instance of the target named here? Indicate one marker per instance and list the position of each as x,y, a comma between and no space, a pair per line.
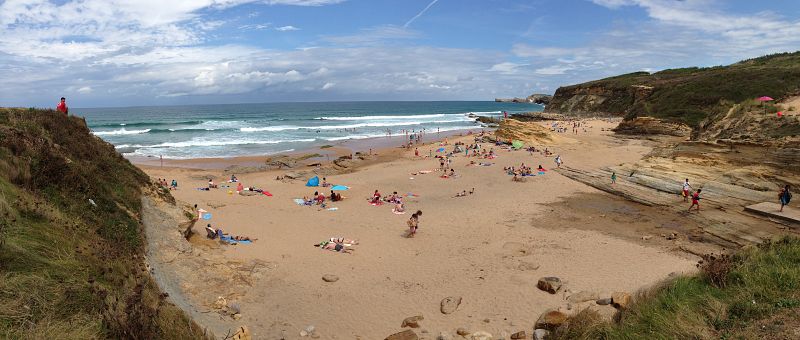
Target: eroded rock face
652,126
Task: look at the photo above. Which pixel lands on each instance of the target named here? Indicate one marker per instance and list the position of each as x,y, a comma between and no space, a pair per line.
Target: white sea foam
383,117
199,143
350,126
120,132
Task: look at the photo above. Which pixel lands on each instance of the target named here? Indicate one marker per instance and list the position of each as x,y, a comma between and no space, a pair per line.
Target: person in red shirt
62,106
696,200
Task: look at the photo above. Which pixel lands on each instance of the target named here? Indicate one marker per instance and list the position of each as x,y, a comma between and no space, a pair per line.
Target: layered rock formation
652,126
536,98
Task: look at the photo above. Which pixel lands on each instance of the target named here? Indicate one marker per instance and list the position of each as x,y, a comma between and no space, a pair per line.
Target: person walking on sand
558,161
785,196
696,200
613,178
413,223
686,190
62,106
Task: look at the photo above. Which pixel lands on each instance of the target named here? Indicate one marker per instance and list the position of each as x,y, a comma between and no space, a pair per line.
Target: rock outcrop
652,126
536,98
529,132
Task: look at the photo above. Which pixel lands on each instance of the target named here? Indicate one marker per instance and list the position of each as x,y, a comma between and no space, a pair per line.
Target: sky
101,53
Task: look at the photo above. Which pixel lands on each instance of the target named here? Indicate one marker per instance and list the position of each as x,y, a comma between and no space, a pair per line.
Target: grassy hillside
70,268
754,294
689,95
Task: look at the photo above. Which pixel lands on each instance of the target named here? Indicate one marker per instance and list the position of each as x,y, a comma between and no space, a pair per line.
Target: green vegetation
753,294
70,268
689,95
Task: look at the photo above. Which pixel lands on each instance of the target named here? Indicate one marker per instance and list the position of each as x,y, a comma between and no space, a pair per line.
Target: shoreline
379,145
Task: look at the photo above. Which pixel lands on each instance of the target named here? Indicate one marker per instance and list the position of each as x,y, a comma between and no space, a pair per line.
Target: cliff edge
72,257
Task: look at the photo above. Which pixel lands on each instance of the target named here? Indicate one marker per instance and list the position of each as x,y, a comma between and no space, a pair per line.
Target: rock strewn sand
487,248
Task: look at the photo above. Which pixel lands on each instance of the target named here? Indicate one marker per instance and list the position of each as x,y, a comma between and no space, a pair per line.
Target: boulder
549,284
404,335
480,335
463,331
603,302
412,321
450,304
551,319
330,278
582,296
540,334
620,300
519,335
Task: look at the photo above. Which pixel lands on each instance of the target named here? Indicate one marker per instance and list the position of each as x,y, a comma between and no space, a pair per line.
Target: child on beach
696,200
686,189
413,223
785,196
613,178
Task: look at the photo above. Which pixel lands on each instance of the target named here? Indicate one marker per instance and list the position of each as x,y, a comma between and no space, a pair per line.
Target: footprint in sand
517,249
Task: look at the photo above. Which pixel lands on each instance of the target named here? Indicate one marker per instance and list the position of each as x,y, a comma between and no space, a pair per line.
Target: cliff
687,96
71,241
535,98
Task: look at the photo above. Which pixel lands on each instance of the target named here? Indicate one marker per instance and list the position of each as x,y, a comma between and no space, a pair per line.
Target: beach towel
332,209
266,193
299,201
411,195
425,171
542,172
375,204
313,182
207,216
440,150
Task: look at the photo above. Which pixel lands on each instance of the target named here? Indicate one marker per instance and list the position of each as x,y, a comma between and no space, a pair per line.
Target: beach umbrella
517,144
339,187
764,100
440,150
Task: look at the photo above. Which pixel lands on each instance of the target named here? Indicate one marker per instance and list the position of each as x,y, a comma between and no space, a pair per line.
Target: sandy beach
489,248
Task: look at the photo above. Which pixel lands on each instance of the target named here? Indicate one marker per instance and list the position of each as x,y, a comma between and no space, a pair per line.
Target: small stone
450,304
303,333
463,332
519,335
549,284
310,329
330,278
237,316
551,319
487,320
620,300
404,335
443,336
412,321
480,335
647,237
582,296
603,302
540,334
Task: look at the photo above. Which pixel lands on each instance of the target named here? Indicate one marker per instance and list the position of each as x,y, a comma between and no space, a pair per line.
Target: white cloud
328,86
506,67
287,28
85,90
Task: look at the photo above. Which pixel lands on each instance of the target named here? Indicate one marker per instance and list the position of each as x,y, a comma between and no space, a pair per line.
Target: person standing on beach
558,161
62,106
686,190
785,196
416,152
613,178
413,223
696,200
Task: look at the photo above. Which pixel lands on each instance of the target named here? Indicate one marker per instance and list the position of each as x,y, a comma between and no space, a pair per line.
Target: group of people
338,244
162,182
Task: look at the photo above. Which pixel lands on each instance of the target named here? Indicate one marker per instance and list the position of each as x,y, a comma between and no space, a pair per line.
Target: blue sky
154,52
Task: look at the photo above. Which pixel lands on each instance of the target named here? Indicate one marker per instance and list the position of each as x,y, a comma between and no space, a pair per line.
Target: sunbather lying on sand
345,241
214,233
333,246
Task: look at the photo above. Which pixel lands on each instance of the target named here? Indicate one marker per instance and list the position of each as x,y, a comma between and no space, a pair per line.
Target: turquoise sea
257,129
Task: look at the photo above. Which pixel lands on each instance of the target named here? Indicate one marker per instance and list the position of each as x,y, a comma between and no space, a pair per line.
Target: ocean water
195,131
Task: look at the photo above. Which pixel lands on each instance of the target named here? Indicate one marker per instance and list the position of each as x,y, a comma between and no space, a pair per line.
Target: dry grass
762,283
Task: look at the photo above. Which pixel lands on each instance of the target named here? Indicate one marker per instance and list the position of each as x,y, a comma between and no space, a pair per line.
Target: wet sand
488,248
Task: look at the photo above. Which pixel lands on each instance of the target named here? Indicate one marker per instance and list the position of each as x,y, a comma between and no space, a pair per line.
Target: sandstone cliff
688,96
